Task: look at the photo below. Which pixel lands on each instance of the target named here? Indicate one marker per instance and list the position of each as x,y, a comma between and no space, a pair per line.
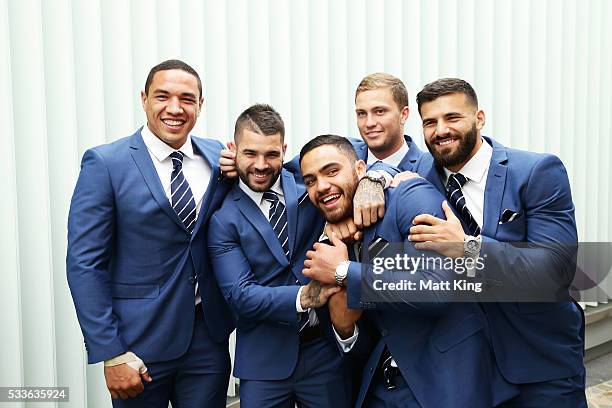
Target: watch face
472,245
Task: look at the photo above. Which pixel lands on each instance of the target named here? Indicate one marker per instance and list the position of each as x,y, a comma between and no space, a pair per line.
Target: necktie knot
271,197
456,179
177,159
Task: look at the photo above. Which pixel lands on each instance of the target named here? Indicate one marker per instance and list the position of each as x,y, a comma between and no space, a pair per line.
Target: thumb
335,240
448,212
146,376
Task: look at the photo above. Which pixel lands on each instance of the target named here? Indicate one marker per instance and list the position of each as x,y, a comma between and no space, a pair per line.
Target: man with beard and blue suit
431,353
286,352
137,263
503,195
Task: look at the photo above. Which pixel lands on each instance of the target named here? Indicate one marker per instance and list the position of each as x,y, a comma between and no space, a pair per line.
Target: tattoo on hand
311,295
368,191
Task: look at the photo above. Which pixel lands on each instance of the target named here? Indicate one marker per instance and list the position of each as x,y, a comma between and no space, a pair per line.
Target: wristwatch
375,176
471,246
341,272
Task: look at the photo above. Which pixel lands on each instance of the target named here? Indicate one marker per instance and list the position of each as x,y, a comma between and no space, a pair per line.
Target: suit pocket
452,336
125,291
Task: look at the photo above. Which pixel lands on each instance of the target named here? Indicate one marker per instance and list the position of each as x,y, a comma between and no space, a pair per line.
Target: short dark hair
341,143
172,64
446,86
260,118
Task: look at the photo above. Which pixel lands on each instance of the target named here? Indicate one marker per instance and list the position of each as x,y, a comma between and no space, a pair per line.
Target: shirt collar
477,166
159,149
394,160
257,196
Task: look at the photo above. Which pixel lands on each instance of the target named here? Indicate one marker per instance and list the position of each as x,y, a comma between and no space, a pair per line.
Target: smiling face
380,121
331,179
451,126
259,159
172,106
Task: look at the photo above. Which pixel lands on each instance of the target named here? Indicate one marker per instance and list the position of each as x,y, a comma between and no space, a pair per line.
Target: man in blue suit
430,354
286,353
507,195
137,263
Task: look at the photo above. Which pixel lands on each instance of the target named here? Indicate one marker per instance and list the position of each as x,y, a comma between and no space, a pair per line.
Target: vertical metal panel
11,354
27,58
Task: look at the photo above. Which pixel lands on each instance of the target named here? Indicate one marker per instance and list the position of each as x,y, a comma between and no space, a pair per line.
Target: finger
381,211
311,254
366,218
448,211
426,219
342,232
423,237
357,219
358,236
146,377
374,215
232,146
329,229
352,228
426,246
132,391
336,241
308,263
113,394
122,394
422,229
307,272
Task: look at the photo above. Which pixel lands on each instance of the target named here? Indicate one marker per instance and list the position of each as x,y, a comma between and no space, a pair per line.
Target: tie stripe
278,219
455,195
181,196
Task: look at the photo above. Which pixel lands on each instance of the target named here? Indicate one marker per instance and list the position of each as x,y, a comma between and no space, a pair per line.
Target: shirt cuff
298,304
347,344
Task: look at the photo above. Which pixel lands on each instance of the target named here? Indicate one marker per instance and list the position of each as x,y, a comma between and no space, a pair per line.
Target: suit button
384,332
371,369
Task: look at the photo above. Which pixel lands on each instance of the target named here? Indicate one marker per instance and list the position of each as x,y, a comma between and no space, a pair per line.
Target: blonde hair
379,80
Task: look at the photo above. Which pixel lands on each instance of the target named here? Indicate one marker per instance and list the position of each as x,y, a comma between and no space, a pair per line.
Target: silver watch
341,272
471,246
375,176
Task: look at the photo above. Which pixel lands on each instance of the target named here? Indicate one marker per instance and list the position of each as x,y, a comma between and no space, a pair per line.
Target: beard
244,176
461,154
347,191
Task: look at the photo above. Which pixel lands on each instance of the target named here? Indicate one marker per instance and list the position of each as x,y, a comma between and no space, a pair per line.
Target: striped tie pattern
457,200
182,200
278,219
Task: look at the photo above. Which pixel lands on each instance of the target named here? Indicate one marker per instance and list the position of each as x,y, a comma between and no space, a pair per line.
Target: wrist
471,246
345,331
341,272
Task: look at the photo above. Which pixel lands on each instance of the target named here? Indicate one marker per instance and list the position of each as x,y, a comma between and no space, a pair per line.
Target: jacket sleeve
91,229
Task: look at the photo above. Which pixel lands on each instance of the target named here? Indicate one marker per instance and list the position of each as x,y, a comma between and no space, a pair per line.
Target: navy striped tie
457,200
182,198
278,219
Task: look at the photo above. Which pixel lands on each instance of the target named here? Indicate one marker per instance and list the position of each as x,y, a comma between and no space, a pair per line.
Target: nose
441,128
323,186
261,163
370,122
174,106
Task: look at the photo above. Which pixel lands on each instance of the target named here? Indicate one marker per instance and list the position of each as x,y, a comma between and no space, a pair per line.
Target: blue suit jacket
532,342
131,263
259,282
440,347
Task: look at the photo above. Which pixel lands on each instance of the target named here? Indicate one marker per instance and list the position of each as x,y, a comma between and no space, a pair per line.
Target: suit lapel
211,156
362,152
291,204
431,174
142,158
253,214
494,189
409,161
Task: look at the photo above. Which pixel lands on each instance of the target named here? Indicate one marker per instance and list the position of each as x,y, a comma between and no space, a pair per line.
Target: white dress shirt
394,160
476,171
196,170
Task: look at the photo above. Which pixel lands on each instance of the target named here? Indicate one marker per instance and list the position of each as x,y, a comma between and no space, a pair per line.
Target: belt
310,334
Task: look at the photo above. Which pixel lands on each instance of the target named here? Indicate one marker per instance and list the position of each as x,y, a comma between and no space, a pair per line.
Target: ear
201,105
143,98
480,119
285,148
405,113
360,168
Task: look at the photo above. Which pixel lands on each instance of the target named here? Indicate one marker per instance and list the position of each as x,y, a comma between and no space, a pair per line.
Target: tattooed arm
315,294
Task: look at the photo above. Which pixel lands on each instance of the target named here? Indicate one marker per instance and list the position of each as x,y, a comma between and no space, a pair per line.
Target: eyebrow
322,169
164,92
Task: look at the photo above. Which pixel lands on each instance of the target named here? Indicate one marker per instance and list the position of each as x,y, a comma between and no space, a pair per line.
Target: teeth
445,142
173,122
330,198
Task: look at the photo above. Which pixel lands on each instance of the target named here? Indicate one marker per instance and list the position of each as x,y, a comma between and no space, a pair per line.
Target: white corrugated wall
71,72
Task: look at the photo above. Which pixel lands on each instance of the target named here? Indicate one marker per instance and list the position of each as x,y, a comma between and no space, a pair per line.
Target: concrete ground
599,382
